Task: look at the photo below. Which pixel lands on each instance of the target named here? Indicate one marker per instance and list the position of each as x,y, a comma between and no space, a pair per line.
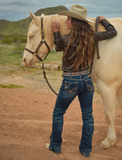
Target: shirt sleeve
59,41
109,33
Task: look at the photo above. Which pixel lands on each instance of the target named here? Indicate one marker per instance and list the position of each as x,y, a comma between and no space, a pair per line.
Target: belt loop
87,72
70,74
79,73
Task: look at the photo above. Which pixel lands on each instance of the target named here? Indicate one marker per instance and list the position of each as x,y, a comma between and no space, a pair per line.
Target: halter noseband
39,45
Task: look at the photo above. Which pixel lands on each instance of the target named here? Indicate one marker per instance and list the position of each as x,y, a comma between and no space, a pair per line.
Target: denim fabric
72,86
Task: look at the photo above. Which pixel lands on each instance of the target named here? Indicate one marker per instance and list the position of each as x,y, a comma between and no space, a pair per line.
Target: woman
78,49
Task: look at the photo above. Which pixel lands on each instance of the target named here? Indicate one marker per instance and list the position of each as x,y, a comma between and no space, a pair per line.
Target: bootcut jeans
72,86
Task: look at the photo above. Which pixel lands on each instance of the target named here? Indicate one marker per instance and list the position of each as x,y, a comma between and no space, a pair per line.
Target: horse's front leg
108,94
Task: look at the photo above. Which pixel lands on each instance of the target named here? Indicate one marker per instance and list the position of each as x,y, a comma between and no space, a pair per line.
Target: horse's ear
34,18
42,15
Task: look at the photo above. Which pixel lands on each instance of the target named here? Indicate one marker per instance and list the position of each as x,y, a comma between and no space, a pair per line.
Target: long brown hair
82,33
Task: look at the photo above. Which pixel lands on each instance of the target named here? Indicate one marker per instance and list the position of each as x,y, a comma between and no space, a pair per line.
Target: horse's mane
61,19
48,19
116,22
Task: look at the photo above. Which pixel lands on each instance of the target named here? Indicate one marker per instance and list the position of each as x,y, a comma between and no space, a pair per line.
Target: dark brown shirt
61,43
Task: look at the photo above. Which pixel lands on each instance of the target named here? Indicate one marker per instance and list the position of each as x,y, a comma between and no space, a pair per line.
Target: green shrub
15,39
10,86
7,40
23,40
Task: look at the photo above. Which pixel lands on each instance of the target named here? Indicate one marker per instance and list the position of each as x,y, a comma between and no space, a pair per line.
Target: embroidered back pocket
89,84
71,87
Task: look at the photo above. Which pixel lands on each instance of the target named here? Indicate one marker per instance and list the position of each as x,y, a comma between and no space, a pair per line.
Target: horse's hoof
106,144
103,147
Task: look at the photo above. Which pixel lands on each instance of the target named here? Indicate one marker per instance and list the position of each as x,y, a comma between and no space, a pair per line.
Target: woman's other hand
101,18
55,26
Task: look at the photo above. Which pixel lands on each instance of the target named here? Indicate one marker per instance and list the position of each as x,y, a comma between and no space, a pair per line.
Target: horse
106,71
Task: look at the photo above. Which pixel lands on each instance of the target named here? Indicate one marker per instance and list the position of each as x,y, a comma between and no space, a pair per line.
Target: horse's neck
61,20
48,30
63,27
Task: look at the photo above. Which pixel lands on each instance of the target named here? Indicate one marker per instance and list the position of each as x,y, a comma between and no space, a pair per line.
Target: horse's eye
30,37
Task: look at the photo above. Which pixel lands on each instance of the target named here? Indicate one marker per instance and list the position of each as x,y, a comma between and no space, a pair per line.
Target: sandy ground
25,127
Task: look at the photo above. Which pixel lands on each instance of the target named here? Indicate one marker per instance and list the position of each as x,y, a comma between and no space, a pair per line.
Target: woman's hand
55,26
101,17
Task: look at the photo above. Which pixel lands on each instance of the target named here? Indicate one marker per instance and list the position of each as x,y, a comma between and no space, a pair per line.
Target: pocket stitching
69,90
89,87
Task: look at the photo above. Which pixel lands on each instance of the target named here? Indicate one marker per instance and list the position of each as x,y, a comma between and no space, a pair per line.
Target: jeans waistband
75,73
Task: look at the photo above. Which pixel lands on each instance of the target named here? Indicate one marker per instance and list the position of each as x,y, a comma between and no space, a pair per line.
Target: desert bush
15,38
23,39
7,40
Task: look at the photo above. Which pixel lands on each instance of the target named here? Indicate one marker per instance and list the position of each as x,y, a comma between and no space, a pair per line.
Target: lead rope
96,43
44,73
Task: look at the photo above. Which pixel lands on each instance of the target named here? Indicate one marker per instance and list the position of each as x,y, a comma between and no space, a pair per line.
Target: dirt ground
25,127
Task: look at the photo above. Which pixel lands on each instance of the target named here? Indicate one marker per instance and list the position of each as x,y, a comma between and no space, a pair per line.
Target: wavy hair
83,35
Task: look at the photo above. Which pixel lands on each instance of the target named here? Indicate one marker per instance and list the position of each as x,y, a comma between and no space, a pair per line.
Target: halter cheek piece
39,45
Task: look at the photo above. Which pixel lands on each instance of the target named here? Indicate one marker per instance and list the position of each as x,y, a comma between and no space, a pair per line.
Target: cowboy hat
78,12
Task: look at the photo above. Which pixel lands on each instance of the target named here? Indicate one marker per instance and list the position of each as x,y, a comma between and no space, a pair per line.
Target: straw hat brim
74,15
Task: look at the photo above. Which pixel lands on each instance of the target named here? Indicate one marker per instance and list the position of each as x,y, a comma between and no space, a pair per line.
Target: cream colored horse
106,72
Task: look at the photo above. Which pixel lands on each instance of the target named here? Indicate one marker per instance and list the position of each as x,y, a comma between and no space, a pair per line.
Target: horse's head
34,37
